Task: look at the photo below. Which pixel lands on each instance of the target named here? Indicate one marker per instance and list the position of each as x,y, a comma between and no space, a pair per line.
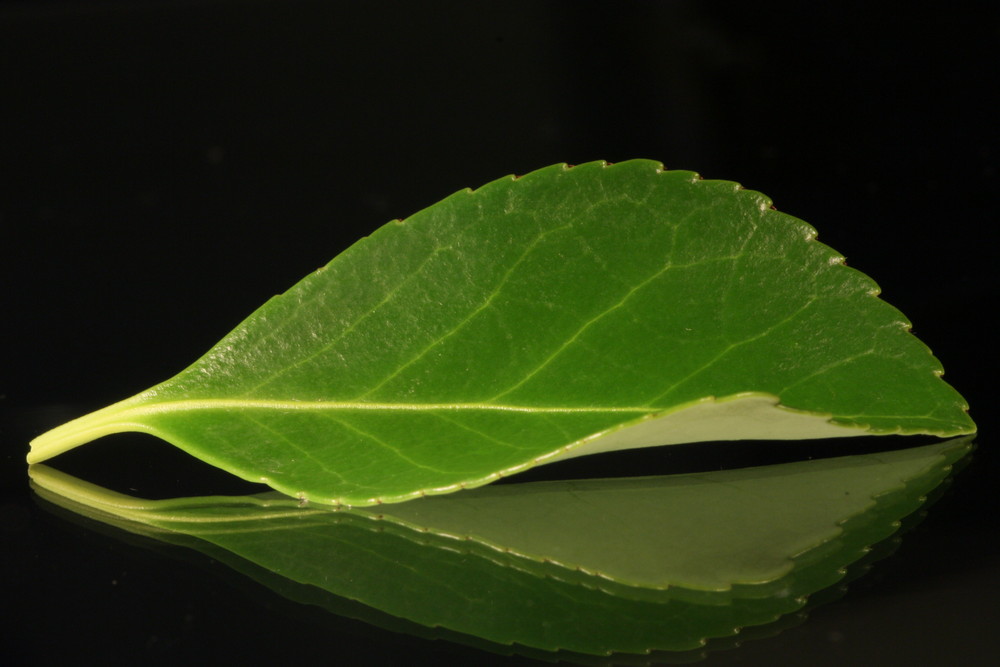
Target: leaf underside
534,318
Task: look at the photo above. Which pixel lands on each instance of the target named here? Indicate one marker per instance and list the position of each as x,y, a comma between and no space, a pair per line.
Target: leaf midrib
264,404
130,415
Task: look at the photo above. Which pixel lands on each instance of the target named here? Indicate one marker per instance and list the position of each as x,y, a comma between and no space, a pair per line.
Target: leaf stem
83,430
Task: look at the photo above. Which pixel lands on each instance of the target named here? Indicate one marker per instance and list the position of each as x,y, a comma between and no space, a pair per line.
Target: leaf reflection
592,566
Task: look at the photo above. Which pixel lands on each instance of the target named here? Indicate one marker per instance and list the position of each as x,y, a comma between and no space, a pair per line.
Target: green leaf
592,566
570,311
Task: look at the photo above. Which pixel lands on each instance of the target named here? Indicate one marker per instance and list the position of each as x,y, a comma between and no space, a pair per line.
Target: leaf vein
827,368
480,308
293,445
477,432
389,295
594,320
729,348
384,444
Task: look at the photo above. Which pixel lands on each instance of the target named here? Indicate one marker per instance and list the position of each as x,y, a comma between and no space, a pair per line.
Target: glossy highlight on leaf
570,311
589,566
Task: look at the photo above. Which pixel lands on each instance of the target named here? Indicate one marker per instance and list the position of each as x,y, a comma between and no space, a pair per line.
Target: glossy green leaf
592,566
569,311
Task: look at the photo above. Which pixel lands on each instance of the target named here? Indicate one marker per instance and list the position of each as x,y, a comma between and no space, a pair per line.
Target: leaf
570,311
593,566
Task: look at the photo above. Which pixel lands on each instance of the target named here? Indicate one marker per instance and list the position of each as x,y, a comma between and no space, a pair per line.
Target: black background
168,166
